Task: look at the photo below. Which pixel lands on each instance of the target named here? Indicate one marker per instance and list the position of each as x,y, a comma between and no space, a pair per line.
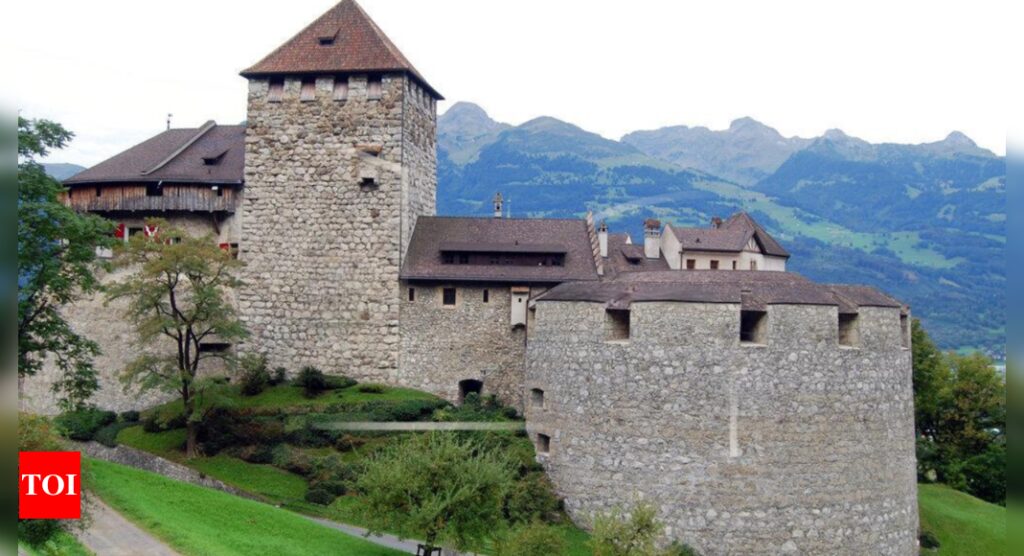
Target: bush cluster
320,496
83,424
36,532
107,435
312,380
280,376
254,377
370,388
159,422
532,498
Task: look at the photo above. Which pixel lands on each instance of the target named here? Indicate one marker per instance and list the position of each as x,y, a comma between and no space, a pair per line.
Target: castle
759,411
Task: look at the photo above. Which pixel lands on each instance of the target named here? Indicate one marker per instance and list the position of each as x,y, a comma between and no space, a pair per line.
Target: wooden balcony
150,198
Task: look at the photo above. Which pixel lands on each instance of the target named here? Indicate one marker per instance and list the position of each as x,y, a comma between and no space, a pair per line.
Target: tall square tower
340,160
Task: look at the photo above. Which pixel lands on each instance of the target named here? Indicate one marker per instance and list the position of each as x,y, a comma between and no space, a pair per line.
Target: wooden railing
140,197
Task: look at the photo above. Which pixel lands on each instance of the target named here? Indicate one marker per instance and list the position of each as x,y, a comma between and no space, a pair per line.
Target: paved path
109,534
389,541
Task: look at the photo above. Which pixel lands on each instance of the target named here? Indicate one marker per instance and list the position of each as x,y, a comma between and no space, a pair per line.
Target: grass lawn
65,543
196,520
965,525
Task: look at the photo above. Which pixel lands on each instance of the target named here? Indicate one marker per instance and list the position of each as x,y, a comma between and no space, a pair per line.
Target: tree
532,539
177,292
445,490
932,378
56,263
976,415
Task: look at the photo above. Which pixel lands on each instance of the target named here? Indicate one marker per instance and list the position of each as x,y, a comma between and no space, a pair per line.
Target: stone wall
471,340
103,322
323,248
797,446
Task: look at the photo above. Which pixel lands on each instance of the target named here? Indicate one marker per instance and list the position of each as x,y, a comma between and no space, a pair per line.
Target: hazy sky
901,71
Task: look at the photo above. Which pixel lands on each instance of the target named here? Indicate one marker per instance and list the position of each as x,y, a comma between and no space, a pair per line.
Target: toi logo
49,485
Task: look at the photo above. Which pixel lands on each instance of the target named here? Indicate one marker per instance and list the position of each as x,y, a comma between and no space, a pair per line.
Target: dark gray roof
433,234
731,237
752,289
480,247
176,155
629,257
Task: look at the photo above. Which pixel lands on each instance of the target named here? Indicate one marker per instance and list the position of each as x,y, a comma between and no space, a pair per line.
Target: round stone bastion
785,429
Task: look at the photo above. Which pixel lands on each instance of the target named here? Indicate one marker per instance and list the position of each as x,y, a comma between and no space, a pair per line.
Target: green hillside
965,525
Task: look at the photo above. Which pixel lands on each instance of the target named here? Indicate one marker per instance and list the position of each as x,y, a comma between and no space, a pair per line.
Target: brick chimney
497,205
716,222
602,238
652,238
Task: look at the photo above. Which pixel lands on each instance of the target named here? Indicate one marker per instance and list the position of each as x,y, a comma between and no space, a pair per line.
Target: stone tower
340,160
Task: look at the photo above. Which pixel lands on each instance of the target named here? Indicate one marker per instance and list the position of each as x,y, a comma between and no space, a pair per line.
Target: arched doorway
469,386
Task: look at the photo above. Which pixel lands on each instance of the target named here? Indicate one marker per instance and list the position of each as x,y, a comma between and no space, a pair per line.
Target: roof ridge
210,124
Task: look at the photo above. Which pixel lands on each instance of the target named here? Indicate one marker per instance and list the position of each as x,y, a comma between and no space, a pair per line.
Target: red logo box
49,485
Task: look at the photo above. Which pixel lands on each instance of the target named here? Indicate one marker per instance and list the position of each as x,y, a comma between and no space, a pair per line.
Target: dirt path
109,534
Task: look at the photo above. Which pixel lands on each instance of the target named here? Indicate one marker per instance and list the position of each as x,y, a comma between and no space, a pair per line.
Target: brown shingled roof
342,40
731,237
434,234
176,155
629,257
753,290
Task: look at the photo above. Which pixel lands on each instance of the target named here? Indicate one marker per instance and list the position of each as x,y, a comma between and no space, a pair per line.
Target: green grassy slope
196,520
965,525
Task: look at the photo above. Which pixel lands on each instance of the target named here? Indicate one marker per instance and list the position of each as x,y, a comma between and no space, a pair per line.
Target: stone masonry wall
797,446
472,340
323,250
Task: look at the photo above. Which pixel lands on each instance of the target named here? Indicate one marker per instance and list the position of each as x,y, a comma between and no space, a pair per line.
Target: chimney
716,222
497,205
602,238
652,238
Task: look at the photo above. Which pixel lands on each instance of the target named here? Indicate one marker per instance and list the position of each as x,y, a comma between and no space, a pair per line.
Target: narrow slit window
99,191
616,325
753,265
487,296
276,92
848,330
537,397
448,297
905,330
308,91
753,327
734,265
412,294
374,88
543,444
341,88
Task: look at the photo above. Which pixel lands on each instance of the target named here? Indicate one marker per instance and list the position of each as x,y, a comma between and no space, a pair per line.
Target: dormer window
214,158
327,37
276,91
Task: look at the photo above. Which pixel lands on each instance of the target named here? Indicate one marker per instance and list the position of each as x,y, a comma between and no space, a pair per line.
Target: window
734,265
537,397
374,88
616,325
487,296
469,386
368,184
412,294
753,265
447,258
905,330
132,231
154,190
340,88
214,347
494,259
308,91
543,443
848,330
99,191
448,297
463,258
276,92
691,264
753,327
714,265
219,190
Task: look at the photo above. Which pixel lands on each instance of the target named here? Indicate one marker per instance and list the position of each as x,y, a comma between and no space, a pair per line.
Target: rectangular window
495,259
753,265
448,297
154,190
99,190
308,91
753,327
340,88
132,232
543,444
537,397
691,264
448,258
487,296
464,259
905,330
848,330
616,325
374,88
214,347
412,294
734,265
276,92
714,265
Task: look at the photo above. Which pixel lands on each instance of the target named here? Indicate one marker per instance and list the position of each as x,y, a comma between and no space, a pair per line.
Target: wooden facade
148,197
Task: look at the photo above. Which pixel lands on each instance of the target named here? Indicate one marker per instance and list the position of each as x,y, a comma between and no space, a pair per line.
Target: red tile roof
356,44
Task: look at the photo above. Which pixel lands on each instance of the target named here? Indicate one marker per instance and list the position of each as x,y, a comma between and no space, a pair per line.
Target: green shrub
312,380
370,388
108,434
289,459
130,416
319,496
83,424
280,376
532,498
157,421
223,428
347,442
36,532
928,540
334,474
533,539
254,376
680,549
338,382
257,453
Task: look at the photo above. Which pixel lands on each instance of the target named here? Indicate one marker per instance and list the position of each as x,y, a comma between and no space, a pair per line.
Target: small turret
602,238
652,238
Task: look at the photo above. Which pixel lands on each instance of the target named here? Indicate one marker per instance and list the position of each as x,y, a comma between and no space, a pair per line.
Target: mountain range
924,222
